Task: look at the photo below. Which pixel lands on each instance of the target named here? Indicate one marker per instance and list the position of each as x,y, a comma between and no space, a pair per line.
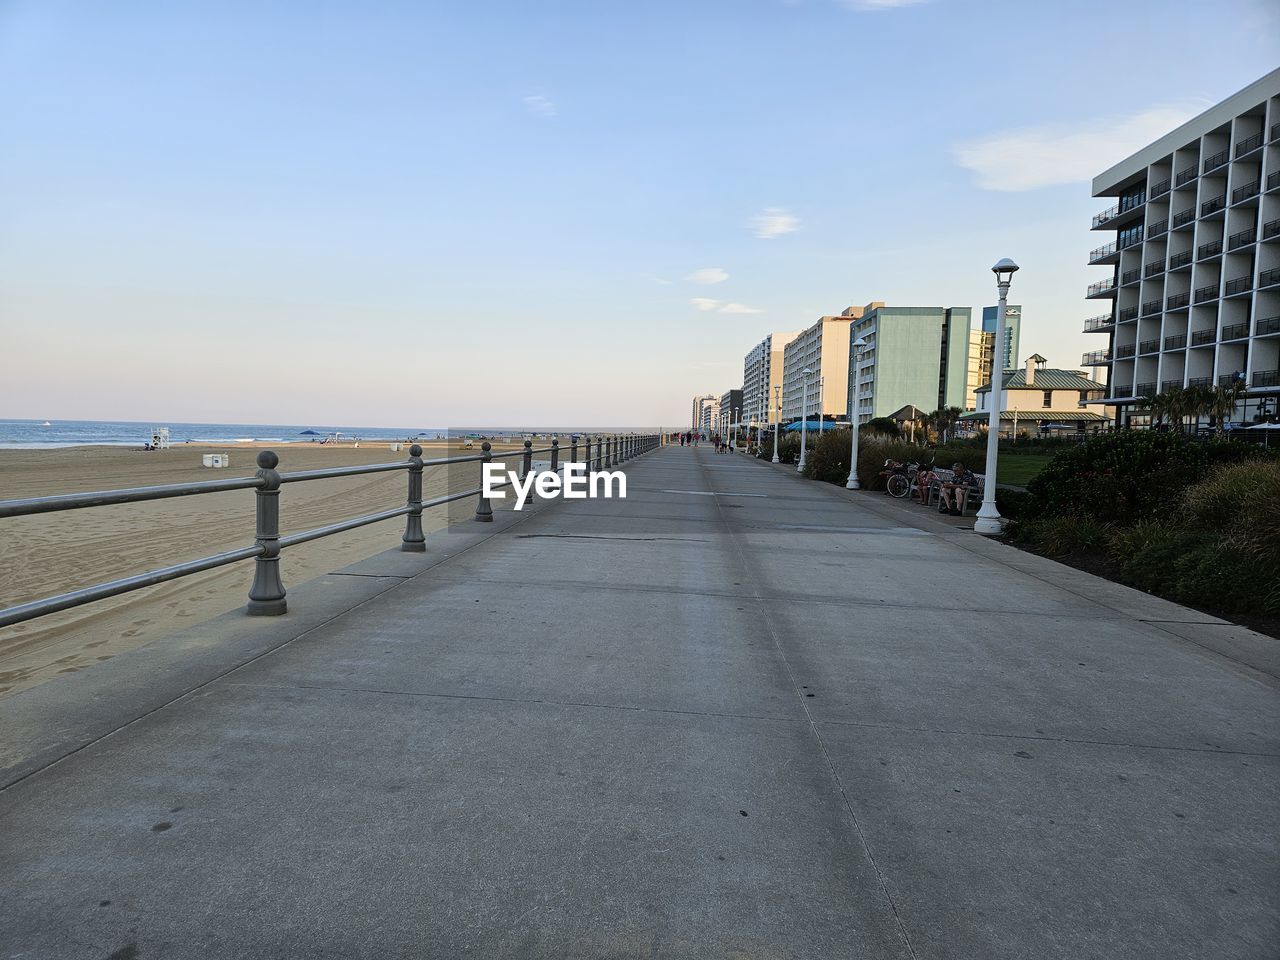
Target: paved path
736,715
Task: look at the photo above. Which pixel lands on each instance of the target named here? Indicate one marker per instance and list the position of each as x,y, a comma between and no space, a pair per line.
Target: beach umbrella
308,433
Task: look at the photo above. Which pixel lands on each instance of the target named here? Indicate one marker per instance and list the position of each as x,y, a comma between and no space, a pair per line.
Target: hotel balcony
1103,288
1236,331
1271,229
1149,346
1179,301
1201,338
1238,286
1167,385
1153,269
1177,342
1145,389
1243,238
1096,358
1103,321
1248,145
1108,254
1209,250
1206,293
1246,192
1183,218
1130,276
1180,260
1127,314
1150,308
1219,159
1268,278
1266,378
1213,205
1159,190
1158,229
1126,351
1186,175
1200,382
1273,180
1267,326
1126,209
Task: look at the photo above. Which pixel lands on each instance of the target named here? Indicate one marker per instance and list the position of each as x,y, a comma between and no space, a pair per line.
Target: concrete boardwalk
736,715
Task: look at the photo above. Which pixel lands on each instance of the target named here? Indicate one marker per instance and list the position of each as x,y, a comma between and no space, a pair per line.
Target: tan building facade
824,349
1038,398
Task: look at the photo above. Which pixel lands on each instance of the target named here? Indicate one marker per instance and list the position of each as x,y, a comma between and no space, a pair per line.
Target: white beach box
395,448
207,460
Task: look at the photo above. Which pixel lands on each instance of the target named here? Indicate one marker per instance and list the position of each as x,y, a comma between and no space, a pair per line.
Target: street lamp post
858,346
777,427
989,521
804,418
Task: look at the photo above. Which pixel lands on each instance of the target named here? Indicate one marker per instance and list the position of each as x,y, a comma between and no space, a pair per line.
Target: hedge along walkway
736,714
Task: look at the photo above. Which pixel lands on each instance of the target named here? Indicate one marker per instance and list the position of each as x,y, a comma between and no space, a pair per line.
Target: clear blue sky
491,212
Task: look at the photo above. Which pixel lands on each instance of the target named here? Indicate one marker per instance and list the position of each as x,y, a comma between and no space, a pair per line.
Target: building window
1048,399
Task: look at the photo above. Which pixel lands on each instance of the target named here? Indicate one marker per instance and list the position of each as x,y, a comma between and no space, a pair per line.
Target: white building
1193,291
709,416
701,406
761,372
824,349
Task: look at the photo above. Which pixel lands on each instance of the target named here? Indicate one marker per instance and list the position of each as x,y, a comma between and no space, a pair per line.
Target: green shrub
881,425
874,450
828,455
1128,475
788,449
1066,536
1012,504
1242,502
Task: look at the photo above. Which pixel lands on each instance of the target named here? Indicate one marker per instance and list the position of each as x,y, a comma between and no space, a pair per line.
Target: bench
972,503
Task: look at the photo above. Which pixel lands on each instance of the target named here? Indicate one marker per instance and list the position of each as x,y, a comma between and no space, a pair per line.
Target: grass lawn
1018,468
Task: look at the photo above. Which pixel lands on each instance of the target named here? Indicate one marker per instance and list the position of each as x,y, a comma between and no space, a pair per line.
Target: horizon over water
33,434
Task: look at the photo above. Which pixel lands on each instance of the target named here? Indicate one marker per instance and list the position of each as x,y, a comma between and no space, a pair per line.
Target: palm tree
1157,406
1175,406
1223,401
1199,403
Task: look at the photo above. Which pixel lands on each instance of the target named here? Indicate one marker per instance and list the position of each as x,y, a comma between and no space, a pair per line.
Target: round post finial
268,460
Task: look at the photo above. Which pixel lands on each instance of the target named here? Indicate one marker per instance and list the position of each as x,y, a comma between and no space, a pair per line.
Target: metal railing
1095,358
1210,249
1246,191
1101,322
1235,331
1267,278
1150,307
267,592
1238,285
1271,229
1249,144
1101,253
1213,205
1102,286
1266,378
1108,214
1200,337
1183,217
1176,342
1130,276
1179,260
1158,229
1200,382
1127,314
1273,179
1208,292
1177,301
1241,239
1215,161
1149,346
1154,268
1267,325
1127,350
1160,189
1185,175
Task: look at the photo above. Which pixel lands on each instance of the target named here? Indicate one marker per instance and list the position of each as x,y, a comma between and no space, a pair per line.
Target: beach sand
55,552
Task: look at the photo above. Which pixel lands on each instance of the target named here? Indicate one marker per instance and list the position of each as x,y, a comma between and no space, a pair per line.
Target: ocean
32,434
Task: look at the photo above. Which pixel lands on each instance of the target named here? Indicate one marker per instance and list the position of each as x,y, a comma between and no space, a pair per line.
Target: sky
554,213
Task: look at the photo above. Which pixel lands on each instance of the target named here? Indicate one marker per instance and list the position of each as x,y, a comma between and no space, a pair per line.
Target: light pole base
852,483
776,460
989,522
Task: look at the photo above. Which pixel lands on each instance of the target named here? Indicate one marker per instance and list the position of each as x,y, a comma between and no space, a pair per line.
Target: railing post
555,454
484,511
266,595
591,466
413,541
573,449
526,463
610,449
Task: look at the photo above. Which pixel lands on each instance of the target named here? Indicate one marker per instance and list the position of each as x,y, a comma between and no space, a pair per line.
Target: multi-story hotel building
761,372
705,407
1193,295
982,348
913,355
824,349
731,405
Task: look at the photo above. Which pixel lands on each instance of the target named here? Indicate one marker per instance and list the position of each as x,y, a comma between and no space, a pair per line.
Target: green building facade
913,355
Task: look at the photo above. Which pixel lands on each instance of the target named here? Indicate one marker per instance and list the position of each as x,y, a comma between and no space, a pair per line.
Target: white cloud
708,275
540,106
1049,154
773,222
739,308
703,303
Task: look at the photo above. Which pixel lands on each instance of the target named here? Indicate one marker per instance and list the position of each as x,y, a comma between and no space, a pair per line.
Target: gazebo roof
1046,378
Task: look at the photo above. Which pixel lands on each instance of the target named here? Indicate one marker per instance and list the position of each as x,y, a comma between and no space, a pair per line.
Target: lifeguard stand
159,438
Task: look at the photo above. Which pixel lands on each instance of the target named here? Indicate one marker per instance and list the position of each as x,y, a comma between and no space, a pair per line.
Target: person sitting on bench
956,490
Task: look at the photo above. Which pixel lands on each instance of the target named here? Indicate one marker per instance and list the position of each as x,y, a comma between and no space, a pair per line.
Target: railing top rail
99,498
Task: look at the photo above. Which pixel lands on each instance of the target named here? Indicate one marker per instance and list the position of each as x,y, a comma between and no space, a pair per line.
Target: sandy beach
52,553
